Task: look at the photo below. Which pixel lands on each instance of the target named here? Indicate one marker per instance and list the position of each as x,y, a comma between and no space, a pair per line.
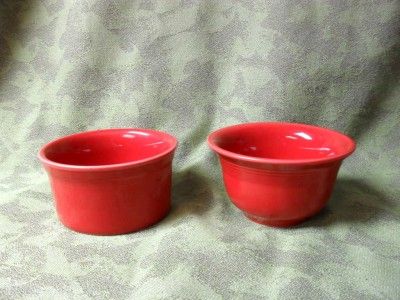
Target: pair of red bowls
117,181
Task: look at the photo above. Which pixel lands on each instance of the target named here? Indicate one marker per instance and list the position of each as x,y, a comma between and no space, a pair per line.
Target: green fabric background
189,67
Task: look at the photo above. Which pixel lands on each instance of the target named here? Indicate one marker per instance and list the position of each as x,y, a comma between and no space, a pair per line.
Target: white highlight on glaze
304,135
291,137
134,132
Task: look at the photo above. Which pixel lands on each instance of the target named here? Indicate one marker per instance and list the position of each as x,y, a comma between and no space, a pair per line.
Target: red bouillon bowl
110,181
279,174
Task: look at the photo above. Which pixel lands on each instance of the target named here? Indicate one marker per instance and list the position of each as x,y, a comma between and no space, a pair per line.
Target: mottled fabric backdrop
189,67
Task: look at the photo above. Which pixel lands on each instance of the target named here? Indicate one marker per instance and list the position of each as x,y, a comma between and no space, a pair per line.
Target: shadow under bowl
279,174
110,181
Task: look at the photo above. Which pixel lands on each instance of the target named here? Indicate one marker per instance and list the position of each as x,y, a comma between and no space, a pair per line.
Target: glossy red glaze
279,174
110,181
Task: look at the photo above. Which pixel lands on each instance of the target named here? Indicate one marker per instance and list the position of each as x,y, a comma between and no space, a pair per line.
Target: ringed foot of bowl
274,223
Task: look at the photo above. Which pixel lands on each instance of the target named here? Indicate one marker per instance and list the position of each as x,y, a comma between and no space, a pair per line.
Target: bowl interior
107,147
282,141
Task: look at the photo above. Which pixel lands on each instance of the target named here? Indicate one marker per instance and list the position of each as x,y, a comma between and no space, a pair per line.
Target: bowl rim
106,167
309,161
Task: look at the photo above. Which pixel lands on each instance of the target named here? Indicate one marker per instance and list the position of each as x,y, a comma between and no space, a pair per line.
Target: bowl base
118,231
274,223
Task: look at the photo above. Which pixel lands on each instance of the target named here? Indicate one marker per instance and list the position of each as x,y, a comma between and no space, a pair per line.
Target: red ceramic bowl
279,174
110,181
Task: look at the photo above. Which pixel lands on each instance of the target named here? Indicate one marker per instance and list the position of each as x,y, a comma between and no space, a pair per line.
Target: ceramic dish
279,174
110,181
